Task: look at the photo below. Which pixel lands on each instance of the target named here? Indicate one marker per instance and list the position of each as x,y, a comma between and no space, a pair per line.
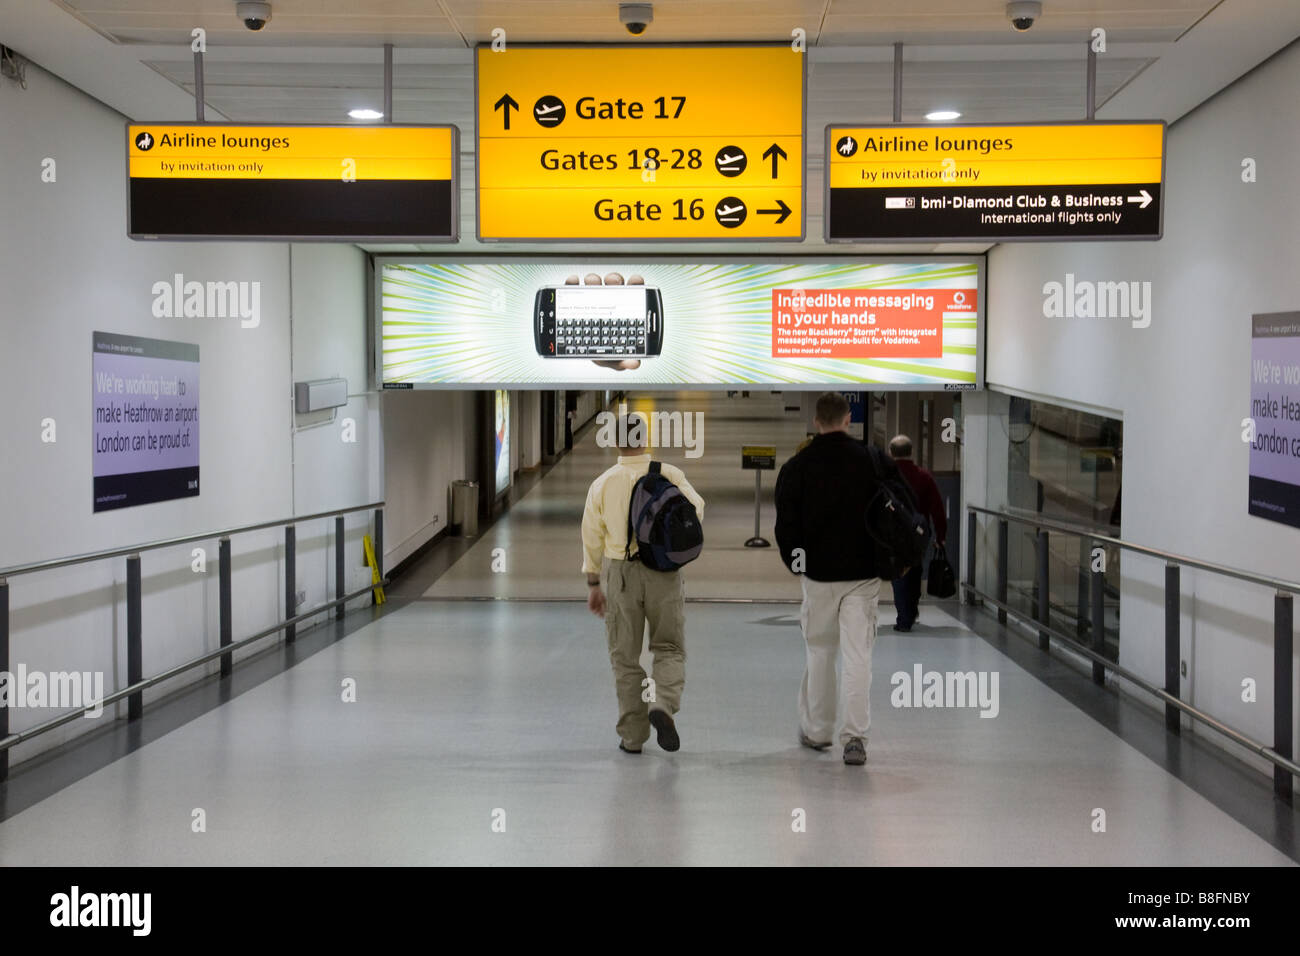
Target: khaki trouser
635,596
839,619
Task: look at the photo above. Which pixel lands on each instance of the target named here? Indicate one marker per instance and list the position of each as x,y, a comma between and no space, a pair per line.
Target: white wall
428,444
1181,385
67,270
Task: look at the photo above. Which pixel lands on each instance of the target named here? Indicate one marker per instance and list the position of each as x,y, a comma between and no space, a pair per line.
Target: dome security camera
636,16
254,15
1023,14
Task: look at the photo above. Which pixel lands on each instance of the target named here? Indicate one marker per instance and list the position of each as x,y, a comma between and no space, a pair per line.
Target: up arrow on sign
506,103
1144,198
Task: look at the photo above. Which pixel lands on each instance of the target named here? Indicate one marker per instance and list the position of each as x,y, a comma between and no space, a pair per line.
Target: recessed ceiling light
365,114
942,115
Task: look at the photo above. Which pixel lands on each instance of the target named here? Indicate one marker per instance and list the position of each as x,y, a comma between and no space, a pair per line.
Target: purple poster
146,420
1275,410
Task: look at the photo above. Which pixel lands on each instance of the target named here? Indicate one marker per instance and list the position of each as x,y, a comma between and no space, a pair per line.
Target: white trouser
837,616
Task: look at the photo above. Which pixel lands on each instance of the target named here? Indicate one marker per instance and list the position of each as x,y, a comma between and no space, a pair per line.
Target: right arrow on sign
782,212
775,153
507,104
1144,198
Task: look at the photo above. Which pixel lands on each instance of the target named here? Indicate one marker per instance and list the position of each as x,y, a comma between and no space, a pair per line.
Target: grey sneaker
855,752
811,744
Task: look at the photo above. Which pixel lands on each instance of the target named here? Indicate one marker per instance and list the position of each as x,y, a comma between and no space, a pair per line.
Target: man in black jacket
821,504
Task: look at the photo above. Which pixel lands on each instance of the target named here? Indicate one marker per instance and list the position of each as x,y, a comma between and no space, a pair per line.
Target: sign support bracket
898,82
1092,82
198,86
388,82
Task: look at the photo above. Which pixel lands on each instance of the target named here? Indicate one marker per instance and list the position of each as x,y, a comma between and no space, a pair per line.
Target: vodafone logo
959,303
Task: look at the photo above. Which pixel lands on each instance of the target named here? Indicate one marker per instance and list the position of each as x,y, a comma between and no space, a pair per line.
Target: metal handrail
1281,754
174,542
14,740
137,683
1048,524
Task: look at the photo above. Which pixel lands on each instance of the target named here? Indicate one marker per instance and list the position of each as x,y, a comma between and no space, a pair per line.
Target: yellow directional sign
218,180
610,143
1039,181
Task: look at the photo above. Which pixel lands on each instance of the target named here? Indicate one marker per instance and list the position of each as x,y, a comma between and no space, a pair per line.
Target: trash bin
464,508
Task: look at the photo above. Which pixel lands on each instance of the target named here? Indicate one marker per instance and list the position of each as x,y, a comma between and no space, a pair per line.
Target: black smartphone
598,321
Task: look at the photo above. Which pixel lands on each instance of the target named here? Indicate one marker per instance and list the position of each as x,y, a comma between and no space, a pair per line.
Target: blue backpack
663,523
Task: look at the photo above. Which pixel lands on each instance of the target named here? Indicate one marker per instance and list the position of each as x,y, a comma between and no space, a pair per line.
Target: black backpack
663,523
900,531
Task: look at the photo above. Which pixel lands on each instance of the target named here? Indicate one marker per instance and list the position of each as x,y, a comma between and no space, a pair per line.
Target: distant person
821,506
628,595
907,589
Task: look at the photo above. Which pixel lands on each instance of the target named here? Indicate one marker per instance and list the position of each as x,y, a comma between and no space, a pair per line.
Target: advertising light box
644,142
146,420
660,323
348,183
1036,181
1274,483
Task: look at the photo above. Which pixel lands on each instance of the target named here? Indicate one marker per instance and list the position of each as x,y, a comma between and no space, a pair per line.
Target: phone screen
600,302
600,320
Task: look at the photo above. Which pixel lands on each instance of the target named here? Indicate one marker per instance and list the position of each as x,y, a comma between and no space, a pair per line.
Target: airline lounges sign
346,183
1044,181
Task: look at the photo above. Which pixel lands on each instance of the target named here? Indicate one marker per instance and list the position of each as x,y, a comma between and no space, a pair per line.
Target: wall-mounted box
320,394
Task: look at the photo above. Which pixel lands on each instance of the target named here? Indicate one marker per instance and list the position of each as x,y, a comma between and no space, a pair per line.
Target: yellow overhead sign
342,183
612,143
1096,180
219,151
1079,154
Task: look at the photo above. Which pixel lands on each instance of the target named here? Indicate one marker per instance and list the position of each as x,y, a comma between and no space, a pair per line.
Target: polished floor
482,732
540,541
469,714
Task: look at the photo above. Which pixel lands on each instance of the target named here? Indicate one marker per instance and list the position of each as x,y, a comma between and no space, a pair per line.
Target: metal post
198,85
224,604
339,590
898,82
1173,645
758,541
1283,631
1002,569
1092,82
388,82
290,584
1098,623
134,644
971,528
4,666
1081,599
1044,590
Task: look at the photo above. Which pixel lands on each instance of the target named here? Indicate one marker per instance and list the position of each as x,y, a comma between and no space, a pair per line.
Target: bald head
900,446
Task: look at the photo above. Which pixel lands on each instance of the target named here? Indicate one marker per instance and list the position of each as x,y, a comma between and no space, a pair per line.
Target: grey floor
541,541
464,709
471,713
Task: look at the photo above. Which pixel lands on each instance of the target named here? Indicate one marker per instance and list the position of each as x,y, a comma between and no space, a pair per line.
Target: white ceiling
457,23
317,59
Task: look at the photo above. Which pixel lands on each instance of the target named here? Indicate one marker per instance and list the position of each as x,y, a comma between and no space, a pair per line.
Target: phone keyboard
600,336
